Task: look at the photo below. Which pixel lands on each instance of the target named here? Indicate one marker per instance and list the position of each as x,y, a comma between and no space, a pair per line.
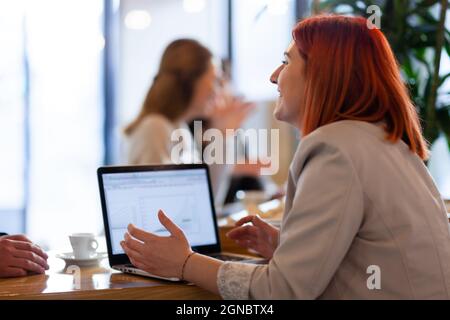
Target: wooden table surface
101,282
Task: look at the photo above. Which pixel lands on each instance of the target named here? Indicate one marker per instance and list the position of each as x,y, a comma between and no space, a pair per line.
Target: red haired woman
363,218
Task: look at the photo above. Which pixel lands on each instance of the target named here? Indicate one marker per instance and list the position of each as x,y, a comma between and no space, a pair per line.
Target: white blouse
151,143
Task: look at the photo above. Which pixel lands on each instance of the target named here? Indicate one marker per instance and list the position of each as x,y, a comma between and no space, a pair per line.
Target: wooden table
101,282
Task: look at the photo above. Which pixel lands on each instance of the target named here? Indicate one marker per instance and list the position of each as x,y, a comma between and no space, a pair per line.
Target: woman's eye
284,62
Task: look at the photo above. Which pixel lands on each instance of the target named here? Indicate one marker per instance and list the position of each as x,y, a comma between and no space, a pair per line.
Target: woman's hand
260,237
229,112
161,256
19,257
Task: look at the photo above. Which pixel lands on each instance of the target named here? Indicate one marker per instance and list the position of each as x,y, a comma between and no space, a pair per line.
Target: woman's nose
273,79
274,76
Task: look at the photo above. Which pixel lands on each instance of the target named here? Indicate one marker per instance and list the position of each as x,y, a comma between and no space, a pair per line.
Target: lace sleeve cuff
233,280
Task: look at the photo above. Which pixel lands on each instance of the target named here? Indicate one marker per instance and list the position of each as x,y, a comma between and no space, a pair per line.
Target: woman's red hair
352,74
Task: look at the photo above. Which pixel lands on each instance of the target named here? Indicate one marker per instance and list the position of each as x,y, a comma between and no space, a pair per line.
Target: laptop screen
136,197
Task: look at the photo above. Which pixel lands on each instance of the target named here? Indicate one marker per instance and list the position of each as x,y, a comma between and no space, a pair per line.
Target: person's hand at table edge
20,257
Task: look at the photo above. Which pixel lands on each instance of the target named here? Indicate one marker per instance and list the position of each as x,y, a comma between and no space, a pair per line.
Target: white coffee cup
84,245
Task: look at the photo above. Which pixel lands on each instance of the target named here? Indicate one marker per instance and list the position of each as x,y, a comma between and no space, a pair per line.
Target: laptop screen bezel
118,259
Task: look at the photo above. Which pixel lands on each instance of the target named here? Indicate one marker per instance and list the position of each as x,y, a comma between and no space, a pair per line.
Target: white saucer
69,258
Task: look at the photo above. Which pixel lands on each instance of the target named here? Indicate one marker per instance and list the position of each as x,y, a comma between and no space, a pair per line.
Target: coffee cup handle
94,244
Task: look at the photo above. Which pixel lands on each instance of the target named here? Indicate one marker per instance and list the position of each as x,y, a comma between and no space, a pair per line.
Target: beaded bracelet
185,262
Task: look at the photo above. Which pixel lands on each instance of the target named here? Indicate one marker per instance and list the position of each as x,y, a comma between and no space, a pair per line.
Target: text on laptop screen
136,198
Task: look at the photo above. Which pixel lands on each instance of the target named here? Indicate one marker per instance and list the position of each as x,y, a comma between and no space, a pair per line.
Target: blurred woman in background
184,89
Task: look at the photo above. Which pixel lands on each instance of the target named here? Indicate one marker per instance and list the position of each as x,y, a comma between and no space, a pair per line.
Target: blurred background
74,72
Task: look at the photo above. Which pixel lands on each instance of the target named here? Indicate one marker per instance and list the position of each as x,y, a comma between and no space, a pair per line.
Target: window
439,163
261,33
53,150
12,117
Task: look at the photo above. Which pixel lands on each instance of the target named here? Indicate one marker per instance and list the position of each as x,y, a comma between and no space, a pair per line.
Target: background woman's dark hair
183,62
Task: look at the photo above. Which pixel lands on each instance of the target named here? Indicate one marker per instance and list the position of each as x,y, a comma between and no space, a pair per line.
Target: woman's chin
280,116
278,113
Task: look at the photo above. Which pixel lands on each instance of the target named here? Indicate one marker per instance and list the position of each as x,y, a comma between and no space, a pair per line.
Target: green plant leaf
427,3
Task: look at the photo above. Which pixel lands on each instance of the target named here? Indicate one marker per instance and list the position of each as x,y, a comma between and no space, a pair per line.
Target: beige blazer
363,220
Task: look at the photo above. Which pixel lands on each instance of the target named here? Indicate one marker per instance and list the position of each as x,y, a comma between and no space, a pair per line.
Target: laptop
134,194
